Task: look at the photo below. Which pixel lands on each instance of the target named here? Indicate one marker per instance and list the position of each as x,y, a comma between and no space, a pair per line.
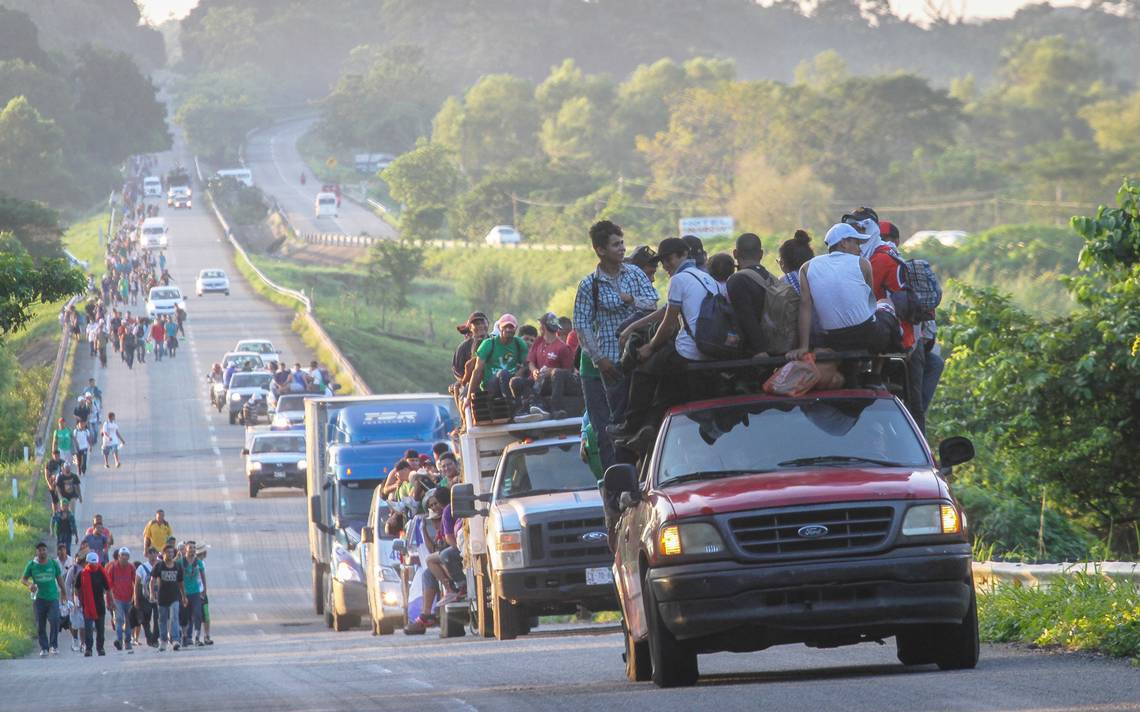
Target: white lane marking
217,452
463,705
242,575
248,596
234,539
225,491
419,683
253,617
214,439
228,505
222,467
221,477
211,428
239,559
379,669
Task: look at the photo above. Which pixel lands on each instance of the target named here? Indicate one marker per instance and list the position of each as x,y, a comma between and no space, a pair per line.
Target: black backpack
715,332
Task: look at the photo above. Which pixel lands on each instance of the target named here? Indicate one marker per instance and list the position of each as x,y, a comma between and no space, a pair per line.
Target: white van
152,187
325,205
153,234
242,175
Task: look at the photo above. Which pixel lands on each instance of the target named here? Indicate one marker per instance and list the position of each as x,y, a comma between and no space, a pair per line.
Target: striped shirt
598,327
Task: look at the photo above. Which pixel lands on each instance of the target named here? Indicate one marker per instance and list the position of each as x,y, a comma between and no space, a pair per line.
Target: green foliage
35,226
392,266
31,153
240,203
25,282
1010,526
122,115
32,520
426,177
218,110
1079,612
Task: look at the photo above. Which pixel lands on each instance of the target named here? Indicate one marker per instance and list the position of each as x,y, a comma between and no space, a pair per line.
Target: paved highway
274,654
271,154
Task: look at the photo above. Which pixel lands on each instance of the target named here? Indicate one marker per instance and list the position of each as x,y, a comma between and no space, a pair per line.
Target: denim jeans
168,629
931,375
122,622
93,628
598,409
158,348
194,629
47,622
148,619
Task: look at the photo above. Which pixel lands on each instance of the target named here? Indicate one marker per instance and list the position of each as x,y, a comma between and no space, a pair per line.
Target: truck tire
960,647
252,490
345,622
384,627
637,664
507,619
318,589
916,646
233,418
674,663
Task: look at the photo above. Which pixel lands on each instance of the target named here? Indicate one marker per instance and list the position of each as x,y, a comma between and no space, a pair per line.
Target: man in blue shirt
606,299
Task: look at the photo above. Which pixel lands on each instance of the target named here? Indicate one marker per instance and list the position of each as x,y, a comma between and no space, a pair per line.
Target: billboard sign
708,226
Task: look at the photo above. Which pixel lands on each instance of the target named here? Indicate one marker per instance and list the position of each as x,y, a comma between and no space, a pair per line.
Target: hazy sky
158,10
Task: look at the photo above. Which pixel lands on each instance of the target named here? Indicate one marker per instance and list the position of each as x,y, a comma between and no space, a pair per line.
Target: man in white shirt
660,380
112,440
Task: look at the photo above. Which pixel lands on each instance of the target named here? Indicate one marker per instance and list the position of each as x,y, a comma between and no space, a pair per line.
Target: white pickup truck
540,545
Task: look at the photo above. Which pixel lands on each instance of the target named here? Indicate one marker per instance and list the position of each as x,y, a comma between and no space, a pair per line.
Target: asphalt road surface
274,654
271,155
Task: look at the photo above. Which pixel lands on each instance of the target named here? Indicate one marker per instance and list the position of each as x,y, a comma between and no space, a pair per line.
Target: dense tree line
67,121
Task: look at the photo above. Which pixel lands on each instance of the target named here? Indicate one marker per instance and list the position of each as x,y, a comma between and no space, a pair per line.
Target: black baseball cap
643,256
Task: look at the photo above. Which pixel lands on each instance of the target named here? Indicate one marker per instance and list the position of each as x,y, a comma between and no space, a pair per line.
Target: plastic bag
795,378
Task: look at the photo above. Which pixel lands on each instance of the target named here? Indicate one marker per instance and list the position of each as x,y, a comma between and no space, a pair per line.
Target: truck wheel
959,647
345,622
318,589
674,663
637,665
330,605
252,490
915,646
507,621
233,418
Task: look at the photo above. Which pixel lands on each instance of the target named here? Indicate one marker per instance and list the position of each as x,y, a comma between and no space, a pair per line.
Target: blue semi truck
352,442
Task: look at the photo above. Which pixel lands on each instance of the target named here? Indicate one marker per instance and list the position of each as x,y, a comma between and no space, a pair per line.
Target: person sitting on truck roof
396,477
447,564
551,369
660,380
836,290
474,330
498,359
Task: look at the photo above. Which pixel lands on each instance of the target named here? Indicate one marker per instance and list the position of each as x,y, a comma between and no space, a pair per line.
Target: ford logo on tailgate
813,531
593,537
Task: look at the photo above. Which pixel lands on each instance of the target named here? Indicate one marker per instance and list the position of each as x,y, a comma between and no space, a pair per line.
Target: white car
212,280
162,301
325,205
503,235
264,347
153,234
245,360
152,187
179,197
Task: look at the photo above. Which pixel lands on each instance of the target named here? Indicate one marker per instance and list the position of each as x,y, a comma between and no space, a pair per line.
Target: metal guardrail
343,364
336,239
52,400
990,573
375,205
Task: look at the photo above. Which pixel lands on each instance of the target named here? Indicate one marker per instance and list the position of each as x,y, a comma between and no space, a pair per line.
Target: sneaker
176,646
535,410
87,654
417,627
198,642
102,653
162,648
75,647
55,651
118,645
208,641
529,418
130,651
43,653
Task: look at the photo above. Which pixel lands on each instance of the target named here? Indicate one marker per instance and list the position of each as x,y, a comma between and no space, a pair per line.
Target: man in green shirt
498,359
43,577
61,440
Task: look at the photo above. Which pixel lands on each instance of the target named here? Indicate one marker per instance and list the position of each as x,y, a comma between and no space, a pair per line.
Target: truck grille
561,542
779,534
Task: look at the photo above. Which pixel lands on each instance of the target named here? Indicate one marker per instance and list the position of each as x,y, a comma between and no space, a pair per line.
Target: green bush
31,519
1080,612
1006,527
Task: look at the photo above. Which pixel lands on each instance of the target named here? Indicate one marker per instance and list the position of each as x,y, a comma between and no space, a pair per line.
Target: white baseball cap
92,558
840,232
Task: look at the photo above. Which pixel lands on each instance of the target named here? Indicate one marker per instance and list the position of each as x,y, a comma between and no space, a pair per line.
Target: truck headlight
390,598
255,467
928,519
695,539
301,464
235,397
508,553
346,572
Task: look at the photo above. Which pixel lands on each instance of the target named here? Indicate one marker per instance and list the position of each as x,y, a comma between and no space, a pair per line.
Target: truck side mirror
367,536
463,501
245,451
954,451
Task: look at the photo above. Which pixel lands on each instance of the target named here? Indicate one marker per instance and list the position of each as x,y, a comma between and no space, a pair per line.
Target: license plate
598,576
280,474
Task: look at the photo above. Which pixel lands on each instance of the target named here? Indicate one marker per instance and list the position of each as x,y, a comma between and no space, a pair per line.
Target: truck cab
762,520
351,444
540,546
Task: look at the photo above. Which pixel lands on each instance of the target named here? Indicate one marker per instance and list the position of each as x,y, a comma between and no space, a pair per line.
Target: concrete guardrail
990,573
337,239
342,364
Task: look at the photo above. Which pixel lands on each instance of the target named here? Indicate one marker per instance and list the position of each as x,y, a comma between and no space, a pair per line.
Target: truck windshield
290,403
275,443
542,470
355,498
786,434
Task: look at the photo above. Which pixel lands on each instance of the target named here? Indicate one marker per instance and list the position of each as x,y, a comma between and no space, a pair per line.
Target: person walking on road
93,594
157,531
67,485
121,577
52,467
61,440
82,440
167,590
43,577
194,584
112,441
171,336
99,538
64,527
145,605
158,336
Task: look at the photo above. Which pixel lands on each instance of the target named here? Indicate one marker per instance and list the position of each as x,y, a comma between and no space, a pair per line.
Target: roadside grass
31,520
1081,612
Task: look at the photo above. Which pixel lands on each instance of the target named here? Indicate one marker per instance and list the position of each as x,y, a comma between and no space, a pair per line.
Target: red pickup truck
758,520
